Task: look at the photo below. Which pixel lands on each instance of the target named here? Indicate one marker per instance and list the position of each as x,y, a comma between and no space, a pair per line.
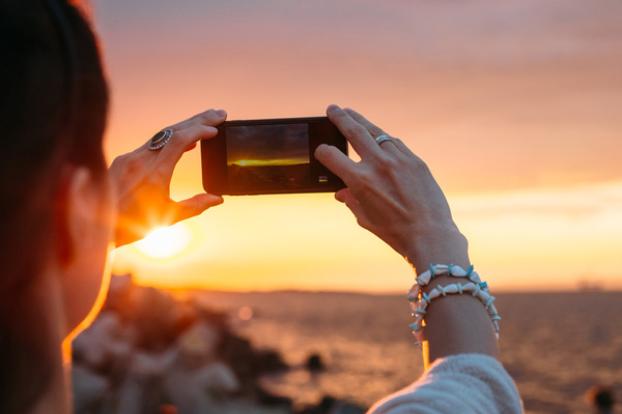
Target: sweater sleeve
466,384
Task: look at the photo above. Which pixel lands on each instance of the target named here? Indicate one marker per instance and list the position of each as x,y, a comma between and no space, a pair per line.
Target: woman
61,208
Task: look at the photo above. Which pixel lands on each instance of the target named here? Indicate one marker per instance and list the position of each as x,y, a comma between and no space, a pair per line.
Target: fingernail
333,107
319,149
221,112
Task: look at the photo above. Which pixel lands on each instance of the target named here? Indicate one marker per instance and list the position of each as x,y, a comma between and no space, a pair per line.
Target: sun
165,242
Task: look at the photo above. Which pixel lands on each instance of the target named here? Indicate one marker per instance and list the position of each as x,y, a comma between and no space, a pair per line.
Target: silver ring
160,139
382,138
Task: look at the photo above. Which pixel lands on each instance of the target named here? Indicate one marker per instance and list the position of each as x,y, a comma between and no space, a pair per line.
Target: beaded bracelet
434,270
419,300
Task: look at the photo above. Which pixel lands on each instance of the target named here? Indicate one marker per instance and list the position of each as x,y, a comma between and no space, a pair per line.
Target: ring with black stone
160,139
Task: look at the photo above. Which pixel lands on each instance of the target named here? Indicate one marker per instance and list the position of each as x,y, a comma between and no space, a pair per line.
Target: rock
345,407
315,363
103,343
218,379
215,318
146,365
269,361
247,362
199,342
330,405
323,407
138,394
89,389
269,399
237,352
182,389
601,398
153,316
149,351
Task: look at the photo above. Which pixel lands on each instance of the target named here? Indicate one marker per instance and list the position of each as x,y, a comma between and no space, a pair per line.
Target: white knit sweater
460,384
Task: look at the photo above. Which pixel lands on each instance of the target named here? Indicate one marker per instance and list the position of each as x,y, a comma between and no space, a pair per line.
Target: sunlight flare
165,242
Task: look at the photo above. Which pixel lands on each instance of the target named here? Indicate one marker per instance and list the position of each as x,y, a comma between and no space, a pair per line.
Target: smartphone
270,156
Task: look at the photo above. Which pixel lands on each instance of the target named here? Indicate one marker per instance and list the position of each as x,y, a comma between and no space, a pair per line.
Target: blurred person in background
62,208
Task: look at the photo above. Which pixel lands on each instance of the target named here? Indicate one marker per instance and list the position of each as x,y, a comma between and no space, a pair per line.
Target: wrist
438,244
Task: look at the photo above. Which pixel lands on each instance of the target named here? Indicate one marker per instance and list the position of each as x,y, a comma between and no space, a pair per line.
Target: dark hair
53,106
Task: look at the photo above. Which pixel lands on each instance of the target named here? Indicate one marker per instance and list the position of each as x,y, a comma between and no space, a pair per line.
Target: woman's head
54,194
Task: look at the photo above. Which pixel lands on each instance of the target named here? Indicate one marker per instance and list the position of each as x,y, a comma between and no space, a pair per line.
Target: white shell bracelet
450,270
419,300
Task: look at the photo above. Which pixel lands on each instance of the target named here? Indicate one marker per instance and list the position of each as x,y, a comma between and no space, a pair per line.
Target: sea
556,346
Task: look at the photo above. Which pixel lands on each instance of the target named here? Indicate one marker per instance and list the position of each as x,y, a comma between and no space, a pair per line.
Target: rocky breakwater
150,352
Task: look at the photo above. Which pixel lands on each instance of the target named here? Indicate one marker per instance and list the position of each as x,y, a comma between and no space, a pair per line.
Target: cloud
581,202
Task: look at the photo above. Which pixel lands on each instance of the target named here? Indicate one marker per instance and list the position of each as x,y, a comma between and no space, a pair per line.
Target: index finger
211,117
181,142
360,138
337,162
373,129
188,132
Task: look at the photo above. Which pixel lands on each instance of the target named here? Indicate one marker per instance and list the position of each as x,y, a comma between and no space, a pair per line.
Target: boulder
89,389
103,343
331,405
218,379
199,342
315,363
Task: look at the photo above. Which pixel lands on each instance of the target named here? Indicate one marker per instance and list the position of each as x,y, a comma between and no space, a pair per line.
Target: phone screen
268,156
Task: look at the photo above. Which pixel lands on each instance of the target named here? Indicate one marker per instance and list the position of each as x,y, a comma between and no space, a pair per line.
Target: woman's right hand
393,194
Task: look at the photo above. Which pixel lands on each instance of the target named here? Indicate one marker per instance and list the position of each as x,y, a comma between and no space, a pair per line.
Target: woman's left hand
142,179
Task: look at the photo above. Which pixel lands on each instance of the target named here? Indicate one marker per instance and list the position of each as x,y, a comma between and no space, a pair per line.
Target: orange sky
516,105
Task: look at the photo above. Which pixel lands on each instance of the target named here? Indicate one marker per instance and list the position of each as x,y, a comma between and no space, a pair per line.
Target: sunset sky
516,105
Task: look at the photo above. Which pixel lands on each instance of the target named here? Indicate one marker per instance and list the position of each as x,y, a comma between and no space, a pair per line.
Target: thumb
343,195
194,206
346,197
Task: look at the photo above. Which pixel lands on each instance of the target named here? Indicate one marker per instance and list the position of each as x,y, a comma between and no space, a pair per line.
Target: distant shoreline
379,294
